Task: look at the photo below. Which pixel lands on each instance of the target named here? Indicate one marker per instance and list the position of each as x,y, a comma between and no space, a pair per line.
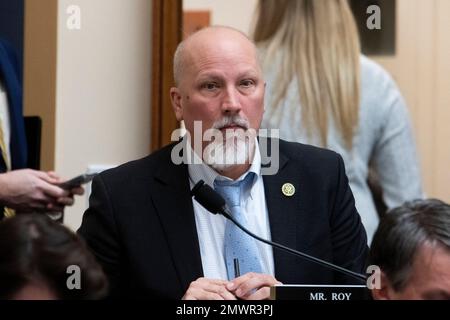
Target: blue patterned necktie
238,245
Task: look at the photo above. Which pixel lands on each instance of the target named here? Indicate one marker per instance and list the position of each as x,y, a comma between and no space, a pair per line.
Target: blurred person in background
322,91
22,190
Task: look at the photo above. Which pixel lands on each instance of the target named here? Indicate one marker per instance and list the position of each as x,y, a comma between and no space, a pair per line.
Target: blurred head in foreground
412,249
41,259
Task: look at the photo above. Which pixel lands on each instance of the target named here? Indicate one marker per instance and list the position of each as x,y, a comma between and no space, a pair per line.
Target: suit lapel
283,211
173,204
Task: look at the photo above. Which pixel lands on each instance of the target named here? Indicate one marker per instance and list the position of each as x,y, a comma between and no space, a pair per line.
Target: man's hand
30,190
208,289
66,200
252,286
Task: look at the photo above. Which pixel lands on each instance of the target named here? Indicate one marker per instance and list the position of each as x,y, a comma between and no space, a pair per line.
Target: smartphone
77,181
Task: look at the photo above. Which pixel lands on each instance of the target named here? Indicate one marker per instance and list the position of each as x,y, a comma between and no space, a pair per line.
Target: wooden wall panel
40,55
194,20
167,33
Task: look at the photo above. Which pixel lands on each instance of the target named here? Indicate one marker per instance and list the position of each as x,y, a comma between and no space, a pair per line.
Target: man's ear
175,97
385,291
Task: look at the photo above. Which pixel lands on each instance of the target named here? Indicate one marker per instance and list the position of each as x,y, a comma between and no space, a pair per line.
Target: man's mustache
228,121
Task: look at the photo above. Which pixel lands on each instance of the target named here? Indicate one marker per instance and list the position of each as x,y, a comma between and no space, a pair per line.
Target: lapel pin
288,189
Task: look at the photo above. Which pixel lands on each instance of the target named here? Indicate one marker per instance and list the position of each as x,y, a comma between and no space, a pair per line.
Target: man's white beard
237,148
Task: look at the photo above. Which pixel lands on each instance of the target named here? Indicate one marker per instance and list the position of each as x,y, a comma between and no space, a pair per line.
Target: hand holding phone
77,181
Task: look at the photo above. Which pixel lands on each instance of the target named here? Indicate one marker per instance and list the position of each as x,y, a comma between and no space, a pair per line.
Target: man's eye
210,86
247,83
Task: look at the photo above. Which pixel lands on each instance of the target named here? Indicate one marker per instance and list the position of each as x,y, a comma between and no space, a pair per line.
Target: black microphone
212,201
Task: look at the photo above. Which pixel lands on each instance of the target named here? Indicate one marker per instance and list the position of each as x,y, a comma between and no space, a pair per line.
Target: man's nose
231,103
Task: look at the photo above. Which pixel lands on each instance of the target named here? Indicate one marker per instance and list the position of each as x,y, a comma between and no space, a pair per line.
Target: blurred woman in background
322,91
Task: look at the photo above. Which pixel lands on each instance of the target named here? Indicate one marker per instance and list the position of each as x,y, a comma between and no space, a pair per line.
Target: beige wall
103,88
233,13
442,91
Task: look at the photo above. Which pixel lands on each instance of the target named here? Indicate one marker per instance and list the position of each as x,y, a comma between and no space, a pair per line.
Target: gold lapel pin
288,189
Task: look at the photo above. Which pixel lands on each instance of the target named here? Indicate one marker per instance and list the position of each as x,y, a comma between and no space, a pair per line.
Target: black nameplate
320,292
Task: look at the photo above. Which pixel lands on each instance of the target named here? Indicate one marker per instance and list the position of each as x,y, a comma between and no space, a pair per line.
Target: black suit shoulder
152,160
140,169
316,164
307,154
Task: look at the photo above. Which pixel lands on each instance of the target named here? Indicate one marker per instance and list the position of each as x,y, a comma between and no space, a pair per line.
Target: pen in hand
237,273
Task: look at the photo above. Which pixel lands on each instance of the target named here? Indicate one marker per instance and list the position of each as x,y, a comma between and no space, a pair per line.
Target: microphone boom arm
214,203
226,214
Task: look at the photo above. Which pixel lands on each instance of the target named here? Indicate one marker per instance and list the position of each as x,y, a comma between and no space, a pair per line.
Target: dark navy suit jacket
10,76
141,225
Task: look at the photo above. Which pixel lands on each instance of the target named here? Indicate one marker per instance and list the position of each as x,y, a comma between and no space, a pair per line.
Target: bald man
154,240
